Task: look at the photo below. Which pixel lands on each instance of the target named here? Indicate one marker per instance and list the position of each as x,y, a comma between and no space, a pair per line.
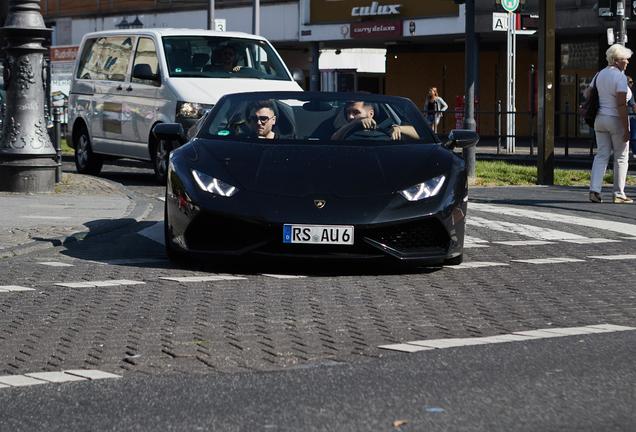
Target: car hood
209,90
342,170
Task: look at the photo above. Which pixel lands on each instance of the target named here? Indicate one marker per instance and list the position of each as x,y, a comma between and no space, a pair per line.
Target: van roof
173,32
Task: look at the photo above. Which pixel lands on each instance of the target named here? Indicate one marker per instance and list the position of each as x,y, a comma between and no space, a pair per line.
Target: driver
359,115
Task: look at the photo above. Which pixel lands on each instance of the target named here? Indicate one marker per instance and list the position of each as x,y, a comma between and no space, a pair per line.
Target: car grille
412,237
217,233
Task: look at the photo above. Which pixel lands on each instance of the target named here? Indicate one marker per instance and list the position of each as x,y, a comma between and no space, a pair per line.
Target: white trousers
609,137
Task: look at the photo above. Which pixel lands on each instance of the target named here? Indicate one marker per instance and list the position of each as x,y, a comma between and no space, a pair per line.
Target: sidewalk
80,206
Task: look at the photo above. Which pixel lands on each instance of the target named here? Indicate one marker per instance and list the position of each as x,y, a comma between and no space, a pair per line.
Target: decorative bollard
27,157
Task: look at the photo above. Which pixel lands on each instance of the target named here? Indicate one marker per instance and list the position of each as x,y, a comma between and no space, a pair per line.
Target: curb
136,211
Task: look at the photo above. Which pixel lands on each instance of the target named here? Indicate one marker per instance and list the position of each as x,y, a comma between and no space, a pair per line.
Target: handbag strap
594,79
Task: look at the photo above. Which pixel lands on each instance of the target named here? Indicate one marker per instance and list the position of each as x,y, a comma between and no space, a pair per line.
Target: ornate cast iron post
26,154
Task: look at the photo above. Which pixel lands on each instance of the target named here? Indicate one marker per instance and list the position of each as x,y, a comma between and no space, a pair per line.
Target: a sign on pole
499,21
220,24
510,5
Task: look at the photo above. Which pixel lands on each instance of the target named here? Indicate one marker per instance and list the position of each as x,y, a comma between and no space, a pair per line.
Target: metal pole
510,81
547,75
26,154
567,128
622,23
470,58
256,17
498,126
210,14
58,146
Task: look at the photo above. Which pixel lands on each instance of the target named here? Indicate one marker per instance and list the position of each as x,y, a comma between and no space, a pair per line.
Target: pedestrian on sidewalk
631,112
611,125
434,106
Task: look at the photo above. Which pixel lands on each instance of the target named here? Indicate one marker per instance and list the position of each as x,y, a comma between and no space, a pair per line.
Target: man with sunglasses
261,119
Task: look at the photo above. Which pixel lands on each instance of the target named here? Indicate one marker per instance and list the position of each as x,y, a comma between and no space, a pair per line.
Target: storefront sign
377,29
63,53
346,11
376,9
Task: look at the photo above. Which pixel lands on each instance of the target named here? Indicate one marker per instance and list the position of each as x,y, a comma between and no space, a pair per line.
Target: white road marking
628,238
19,380
202,278
162,198
606,225
91,374
554,260
591,241
55,264
532,231
283,276
94,284
45,217
54,377
614,257
474,242
154,232
524,242
477,264
9,288
423,345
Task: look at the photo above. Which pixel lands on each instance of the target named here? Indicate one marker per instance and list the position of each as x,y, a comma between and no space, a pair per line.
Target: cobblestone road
251,318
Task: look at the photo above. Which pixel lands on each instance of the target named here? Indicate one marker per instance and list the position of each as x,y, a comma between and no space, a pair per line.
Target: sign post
511,68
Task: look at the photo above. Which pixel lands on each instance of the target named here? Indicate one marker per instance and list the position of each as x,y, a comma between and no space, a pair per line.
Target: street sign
220,24
499,21
510,5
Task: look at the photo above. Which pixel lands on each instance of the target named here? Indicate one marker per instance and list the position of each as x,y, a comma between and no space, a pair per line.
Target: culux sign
376,9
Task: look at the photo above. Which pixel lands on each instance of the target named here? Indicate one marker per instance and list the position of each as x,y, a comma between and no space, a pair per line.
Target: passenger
359,115
224,58
262,118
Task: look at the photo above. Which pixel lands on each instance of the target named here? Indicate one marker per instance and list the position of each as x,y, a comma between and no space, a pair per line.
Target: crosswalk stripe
283,276
591,241
95,284
55,264
38,378
54,377
555,260
524,242
614,257
477,264
606,225
201,278
535,232
9,288
521,336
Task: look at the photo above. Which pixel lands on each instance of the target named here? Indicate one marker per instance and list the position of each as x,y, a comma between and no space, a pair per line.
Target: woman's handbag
589,107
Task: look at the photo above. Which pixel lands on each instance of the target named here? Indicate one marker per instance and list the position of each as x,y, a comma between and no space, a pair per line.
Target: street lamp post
27,157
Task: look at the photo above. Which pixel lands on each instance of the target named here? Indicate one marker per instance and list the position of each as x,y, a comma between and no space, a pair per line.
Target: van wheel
86,162
160,157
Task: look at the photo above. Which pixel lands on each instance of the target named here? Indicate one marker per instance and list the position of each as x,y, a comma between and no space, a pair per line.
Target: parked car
330,183
127,81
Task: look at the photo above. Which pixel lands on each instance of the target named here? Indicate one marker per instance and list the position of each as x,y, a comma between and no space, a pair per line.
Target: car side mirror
170,132
461,138
298,75
143,71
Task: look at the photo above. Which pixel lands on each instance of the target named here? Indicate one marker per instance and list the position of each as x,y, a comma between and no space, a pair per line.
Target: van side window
106,58
146,64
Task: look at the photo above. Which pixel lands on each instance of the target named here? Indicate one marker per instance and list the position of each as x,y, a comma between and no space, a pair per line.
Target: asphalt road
280,346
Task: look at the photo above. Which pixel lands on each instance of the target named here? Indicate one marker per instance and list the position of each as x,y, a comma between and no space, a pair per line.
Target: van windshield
222,57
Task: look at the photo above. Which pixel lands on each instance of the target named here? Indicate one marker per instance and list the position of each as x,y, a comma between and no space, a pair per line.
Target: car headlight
213,185
424,190
191,110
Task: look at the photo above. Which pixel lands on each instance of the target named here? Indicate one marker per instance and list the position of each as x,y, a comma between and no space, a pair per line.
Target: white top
610,81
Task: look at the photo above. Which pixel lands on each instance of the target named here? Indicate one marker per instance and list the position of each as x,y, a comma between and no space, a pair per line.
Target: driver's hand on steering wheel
368,123
236,68
396,132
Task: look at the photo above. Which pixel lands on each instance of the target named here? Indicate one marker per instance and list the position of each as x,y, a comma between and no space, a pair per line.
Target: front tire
174,255
454,261
160,157
86,162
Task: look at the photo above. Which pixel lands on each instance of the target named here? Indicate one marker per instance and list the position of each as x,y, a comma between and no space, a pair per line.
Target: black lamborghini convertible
335,175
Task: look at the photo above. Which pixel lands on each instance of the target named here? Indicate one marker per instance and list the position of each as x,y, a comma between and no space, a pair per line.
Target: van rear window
219,57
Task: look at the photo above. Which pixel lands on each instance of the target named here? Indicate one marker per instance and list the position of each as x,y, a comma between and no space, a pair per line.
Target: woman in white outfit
612,125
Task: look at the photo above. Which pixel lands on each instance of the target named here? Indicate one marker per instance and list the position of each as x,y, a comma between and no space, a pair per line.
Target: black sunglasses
262,119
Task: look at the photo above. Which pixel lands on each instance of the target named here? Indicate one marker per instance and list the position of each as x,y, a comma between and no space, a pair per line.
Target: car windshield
222,57
315,117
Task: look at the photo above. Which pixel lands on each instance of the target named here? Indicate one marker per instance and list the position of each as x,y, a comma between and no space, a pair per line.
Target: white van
126,81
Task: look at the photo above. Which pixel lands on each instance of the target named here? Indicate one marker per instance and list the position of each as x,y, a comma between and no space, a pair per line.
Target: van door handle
119,87
129,88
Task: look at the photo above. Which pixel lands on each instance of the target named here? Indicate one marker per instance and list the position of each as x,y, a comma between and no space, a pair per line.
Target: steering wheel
368,134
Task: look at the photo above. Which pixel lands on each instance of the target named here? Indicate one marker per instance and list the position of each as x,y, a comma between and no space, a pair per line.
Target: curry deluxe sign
342,11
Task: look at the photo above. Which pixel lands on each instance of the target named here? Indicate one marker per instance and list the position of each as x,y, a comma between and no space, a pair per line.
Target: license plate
318,234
